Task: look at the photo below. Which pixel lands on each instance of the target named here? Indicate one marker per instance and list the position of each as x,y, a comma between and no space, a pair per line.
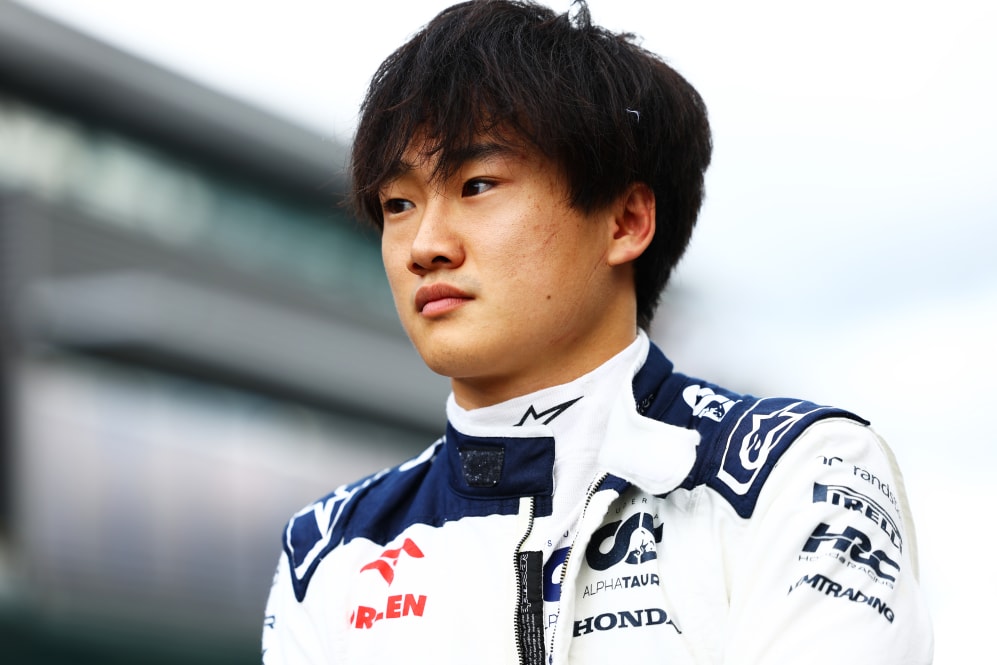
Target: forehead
443,160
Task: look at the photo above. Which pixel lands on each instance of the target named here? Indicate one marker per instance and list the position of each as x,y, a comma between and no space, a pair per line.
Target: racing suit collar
651,454
499,453
532,444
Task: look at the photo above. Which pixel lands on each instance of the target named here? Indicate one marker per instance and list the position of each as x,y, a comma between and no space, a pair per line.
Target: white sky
847,252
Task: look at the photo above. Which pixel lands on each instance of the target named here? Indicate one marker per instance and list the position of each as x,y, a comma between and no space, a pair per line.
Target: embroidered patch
482,465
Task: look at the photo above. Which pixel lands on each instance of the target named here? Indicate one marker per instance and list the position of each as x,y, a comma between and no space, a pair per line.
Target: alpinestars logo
633,541
707,404
395,606
545,417
746,455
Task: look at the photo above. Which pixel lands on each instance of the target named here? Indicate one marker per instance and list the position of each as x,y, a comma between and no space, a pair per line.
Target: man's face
501,284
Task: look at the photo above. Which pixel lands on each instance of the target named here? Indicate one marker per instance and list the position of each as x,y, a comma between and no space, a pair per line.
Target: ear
633,224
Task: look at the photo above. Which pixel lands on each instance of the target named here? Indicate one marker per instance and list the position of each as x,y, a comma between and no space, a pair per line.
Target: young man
535,179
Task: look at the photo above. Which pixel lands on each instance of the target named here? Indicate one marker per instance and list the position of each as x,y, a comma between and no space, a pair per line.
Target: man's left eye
476,186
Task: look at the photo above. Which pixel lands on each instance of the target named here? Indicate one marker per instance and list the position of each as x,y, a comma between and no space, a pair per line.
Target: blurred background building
186,322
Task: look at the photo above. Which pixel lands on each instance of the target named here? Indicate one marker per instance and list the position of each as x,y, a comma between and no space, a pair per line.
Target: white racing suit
717,528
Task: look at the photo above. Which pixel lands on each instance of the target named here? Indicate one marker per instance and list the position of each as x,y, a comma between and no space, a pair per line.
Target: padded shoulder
741,436
432,490
740,456
315,530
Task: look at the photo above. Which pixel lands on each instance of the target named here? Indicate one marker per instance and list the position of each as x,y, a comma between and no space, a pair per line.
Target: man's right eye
396,206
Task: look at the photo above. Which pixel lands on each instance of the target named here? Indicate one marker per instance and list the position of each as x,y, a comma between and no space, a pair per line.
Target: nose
436,245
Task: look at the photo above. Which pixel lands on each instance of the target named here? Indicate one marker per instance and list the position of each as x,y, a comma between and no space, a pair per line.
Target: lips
435,299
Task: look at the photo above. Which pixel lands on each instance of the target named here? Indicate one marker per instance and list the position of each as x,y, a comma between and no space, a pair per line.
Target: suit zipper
525,563
593,489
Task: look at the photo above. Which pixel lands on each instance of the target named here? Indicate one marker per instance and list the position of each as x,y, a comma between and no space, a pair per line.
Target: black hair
603,109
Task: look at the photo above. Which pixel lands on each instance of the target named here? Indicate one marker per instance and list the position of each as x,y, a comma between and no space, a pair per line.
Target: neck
561,368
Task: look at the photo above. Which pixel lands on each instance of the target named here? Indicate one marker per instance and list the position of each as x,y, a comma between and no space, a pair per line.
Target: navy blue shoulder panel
431,489
750,439
741,436
317,529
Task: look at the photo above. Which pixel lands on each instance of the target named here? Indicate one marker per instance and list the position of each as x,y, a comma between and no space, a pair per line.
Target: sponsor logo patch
654,616
830,588
395,606
618,583
876,482
707,404
858,548
849,499
385,564
632,540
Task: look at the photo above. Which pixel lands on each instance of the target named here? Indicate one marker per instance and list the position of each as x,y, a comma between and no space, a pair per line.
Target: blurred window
134,186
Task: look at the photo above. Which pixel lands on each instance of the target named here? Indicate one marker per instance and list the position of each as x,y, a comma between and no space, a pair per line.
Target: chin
456,360
447,365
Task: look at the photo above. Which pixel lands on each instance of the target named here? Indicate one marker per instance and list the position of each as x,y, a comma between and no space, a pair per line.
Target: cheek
394,252
395,267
